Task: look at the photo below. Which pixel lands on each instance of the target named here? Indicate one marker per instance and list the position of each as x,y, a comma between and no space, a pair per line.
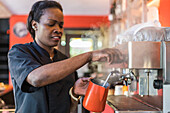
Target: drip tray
123,104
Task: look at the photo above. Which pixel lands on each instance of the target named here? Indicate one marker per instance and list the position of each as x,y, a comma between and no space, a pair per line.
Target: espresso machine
149,88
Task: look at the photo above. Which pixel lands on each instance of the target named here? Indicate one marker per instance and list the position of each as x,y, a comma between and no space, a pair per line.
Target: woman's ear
34,25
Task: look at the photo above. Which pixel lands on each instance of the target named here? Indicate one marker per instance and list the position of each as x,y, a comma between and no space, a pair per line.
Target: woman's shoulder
21,47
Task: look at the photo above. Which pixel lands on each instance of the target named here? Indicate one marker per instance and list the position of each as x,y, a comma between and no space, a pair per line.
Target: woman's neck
50,50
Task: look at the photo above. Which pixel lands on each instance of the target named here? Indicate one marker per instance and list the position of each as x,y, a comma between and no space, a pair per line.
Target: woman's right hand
111,55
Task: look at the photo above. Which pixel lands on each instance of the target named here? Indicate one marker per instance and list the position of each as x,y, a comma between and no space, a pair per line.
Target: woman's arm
56,71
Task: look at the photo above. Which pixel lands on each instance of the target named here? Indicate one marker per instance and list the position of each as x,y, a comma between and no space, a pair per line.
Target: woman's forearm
56,71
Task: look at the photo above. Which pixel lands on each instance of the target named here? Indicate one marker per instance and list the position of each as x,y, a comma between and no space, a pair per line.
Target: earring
34,28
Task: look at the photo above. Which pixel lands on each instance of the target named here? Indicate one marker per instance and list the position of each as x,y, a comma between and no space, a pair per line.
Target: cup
118,90
96,95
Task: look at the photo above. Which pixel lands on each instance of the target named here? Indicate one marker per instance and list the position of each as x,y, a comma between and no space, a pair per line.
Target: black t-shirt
52,98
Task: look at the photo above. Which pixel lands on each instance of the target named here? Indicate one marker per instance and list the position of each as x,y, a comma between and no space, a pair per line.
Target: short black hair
37,11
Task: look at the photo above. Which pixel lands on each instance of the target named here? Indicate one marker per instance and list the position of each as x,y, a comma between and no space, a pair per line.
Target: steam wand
107,78
125,77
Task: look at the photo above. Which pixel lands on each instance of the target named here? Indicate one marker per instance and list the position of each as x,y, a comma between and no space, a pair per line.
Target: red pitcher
96,95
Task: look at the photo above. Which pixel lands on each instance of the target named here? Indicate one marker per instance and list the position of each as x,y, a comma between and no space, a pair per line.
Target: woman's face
50,28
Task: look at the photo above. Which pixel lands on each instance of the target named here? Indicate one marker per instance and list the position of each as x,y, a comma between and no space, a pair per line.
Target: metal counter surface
156,101
124,104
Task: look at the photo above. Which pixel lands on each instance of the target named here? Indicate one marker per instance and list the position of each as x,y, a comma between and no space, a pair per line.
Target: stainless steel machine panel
166,76
166,62
166,99
140,55
144,55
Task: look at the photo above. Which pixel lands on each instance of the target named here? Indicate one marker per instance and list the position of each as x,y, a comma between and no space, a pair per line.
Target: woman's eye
61,25
51,24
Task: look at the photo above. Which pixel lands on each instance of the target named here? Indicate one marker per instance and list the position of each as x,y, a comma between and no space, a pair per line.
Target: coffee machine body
150,63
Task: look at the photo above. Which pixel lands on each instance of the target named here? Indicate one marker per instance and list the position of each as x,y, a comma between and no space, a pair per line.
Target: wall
164,14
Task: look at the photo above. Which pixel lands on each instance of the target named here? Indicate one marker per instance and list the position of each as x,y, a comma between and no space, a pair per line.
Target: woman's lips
56,38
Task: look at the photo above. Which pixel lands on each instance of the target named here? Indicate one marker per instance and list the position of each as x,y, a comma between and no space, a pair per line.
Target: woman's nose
58,29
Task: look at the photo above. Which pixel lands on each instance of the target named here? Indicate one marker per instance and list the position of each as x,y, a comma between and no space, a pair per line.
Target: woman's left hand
81,86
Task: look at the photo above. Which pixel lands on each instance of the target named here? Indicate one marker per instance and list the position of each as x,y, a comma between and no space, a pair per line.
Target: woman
43,78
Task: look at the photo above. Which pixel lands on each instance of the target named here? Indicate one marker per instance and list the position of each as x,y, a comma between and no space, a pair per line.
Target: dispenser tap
128,78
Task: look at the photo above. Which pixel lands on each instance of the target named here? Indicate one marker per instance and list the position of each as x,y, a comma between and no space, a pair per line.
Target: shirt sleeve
76,76
21,63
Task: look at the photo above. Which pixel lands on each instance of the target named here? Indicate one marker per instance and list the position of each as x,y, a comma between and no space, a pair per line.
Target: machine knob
158,84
